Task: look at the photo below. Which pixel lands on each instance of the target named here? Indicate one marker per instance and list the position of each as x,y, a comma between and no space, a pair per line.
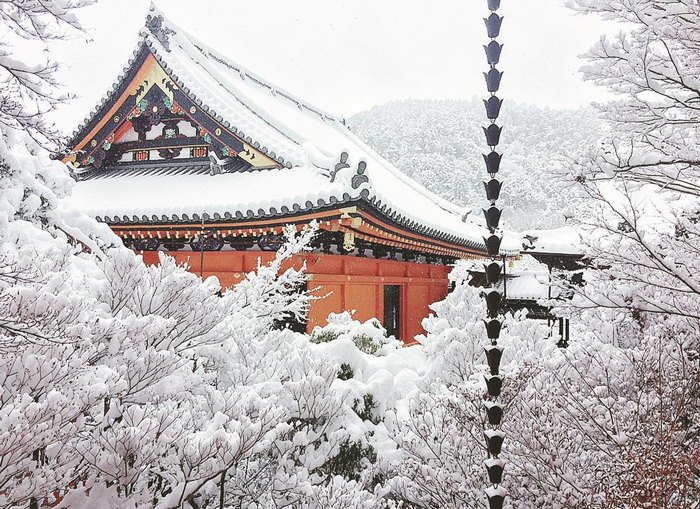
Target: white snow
564,240
187,194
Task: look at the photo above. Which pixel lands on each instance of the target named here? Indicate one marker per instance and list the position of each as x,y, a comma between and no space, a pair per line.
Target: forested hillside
439,143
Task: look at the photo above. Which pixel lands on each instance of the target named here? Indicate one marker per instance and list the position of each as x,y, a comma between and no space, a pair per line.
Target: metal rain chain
495,494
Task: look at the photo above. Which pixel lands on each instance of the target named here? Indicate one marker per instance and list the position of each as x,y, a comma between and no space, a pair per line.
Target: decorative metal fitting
494,412
492,187
493,217
494,468
493,107
493,135
493,272
494,441
493,162
494,384
493,245
496,497
493,303
493,80
493,358
493,329
493,52
493,25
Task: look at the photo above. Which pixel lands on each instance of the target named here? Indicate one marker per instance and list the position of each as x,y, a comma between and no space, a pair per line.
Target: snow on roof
564,240
527,286
187,190
527,279
308,140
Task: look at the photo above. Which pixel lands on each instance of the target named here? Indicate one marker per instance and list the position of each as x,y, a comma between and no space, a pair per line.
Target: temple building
191,154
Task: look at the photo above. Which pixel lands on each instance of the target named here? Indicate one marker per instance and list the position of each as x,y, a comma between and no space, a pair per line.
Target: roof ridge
210,52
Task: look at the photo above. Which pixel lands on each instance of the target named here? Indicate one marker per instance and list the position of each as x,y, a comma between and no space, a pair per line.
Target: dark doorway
392,302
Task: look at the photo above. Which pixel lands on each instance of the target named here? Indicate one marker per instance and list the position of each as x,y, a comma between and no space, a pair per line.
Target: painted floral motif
107,144
138,109
168,102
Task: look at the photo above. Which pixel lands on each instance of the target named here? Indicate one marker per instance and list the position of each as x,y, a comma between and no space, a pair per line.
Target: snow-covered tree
610,423
640,231
50,336
438,428
29,85
288,416
439,144
130,385
606,422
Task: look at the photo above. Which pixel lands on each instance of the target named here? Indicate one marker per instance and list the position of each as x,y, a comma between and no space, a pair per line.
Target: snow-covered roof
307,141
150,194
561,241
528,286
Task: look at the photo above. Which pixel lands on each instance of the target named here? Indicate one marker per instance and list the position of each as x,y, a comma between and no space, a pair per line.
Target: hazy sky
346,56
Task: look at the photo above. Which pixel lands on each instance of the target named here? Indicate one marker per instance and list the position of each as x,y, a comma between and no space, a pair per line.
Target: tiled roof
558,241
161,168
528,286
305,139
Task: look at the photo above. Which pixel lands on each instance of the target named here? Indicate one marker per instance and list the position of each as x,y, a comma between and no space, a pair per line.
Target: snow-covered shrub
127,386
370,379
605,422
369,337
608,420
340,493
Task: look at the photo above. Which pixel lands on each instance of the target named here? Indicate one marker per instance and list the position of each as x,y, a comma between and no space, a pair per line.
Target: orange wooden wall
347,282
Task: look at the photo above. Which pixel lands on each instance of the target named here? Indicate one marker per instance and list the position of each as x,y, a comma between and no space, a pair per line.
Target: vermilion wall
346,282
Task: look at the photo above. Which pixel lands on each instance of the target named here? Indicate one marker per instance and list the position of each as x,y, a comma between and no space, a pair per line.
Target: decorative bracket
154,24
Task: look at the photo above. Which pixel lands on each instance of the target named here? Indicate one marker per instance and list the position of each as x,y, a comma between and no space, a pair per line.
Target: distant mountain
439,144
